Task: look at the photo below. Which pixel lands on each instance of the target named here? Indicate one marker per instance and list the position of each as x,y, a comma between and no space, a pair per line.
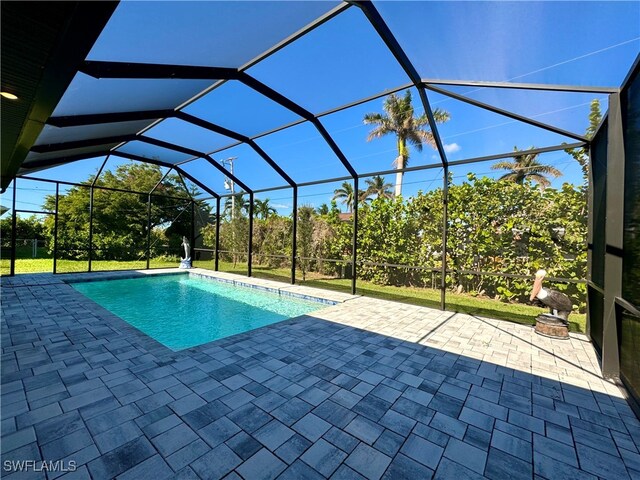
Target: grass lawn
38,265
427,297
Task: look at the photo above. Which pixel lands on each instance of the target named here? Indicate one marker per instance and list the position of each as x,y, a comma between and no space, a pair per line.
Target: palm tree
526,166
399,120
239,203
262,209
322,209
378,187
346,195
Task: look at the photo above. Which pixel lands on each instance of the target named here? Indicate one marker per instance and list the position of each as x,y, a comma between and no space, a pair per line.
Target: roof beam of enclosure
90,142
88,185
194,153
100,69
236,136
378,23
531,151
160,163
280,99
296,35
52,162
95,179
161,180
523,86
98,118
506,113
93,119
184,184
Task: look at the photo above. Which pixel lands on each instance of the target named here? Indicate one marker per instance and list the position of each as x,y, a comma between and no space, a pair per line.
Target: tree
581,155
345,195
27,228
399,119
526,166
236,206
120,218
378,187
322,209
262,209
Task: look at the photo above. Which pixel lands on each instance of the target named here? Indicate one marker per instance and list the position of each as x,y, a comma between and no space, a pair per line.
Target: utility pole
230,184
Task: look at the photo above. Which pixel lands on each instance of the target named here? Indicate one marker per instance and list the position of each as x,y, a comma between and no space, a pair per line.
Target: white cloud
280,206
452,147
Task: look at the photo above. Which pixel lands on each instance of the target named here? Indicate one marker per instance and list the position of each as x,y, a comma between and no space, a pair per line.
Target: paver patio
362,389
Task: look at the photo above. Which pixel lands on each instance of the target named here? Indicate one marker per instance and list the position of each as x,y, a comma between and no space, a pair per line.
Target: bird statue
559,304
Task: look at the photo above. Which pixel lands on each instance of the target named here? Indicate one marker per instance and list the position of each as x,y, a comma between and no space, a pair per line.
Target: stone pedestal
185,263
551,326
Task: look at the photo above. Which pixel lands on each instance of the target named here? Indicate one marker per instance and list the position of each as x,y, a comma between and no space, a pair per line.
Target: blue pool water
181,311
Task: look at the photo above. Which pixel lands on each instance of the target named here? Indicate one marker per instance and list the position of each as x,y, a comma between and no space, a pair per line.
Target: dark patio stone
121,459
174,439
219,431
404,468
501,465
465,454
601,464
249,417
273,434
293,448
187,454
216,464
243,445
113,438
65,446
154,468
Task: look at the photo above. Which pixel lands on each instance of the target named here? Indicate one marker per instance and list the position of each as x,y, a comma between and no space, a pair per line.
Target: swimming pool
182,311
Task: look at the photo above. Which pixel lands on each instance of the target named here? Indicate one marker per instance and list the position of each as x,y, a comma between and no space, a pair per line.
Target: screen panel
400,237
272,235
188,135
250,168
565,110
471,131
201,33
337,63
493,41
154,152
237,107
378,153
631,240
51,134
303,153
509,218
203,171
86,95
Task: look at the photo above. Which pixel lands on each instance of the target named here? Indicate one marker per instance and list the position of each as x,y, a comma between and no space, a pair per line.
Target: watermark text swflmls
39,466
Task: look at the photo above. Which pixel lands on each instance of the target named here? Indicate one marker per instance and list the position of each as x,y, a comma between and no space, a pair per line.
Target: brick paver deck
363,389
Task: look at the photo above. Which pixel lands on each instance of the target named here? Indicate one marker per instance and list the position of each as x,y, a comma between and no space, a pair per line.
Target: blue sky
582,43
